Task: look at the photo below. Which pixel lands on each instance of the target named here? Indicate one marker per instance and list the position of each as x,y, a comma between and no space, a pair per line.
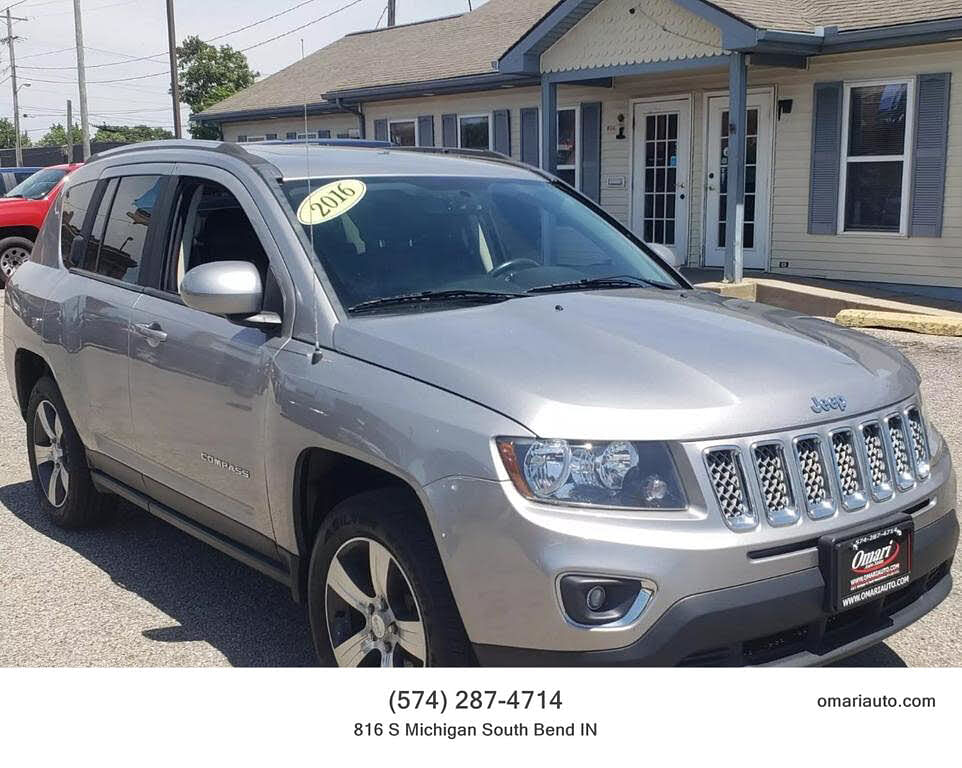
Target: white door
662,156
758,181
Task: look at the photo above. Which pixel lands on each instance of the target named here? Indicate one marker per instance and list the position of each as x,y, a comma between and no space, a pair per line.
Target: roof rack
240,151
477,154
364,143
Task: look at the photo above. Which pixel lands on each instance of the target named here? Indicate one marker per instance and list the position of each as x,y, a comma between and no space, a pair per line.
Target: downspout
354,110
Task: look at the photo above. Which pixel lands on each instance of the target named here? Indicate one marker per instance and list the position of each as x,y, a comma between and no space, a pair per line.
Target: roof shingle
464,45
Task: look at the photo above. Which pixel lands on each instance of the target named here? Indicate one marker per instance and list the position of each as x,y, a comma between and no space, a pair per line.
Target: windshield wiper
426,297
602,283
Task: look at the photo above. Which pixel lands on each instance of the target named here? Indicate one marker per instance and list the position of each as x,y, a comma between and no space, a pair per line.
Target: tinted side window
76,202
125,232
97,230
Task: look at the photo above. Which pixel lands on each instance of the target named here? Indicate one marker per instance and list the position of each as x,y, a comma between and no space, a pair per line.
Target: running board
269,567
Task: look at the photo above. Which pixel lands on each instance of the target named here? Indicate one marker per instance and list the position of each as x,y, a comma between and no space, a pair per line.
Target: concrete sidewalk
852,304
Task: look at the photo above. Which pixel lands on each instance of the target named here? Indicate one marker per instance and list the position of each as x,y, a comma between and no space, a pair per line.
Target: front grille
731,489
847,470
880,477
822,473
775,484
920,445
811,466
900,452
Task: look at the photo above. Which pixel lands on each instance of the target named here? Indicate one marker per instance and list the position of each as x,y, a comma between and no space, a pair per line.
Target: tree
131,133
8,134
57,136
207,75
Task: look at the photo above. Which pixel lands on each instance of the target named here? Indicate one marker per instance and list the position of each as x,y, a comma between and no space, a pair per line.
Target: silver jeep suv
468,417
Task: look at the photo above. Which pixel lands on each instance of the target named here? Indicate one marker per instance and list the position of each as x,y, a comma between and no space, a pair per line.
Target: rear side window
120,229
76,202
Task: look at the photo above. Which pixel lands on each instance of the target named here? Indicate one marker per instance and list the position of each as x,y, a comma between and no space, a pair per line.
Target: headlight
607,474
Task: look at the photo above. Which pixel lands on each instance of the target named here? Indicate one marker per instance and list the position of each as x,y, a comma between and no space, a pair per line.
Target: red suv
22,211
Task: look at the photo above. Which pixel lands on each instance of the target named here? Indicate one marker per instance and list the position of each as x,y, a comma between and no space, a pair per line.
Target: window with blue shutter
380,130
531,137
426,130
826,149
502,131
591,150
449,130
930,154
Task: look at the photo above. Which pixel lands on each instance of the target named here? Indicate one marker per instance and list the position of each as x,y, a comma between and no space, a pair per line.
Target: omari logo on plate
826,404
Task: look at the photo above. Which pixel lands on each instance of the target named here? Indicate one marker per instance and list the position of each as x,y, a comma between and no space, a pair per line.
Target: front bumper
721,597
779,622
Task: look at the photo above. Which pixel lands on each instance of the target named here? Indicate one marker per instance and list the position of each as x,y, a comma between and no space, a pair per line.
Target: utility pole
13,80
69,131
82,79
391,12
174,85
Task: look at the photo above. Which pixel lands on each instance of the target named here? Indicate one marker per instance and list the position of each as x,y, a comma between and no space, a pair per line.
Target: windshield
38,185
384,237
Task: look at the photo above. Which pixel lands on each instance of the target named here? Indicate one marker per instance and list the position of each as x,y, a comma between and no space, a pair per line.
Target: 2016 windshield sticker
330,201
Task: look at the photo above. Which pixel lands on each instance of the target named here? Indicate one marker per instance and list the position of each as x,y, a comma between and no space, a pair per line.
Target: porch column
549,126
735,212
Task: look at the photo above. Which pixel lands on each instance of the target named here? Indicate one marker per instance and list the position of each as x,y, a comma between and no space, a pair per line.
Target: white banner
454,717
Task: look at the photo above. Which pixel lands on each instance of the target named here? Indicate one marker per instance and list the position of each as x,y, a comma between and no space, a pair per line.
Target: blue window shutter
530,137
449,130
591,151
826,153
931,150
380,130
502,131
426,130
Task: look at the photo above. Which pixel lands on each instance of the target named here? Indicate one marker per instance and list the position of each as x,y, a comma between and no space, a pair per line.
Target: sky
117,31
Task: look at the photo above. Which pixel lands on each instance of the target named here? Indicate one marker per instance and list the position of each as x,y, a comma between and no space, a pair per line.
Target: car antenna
317,355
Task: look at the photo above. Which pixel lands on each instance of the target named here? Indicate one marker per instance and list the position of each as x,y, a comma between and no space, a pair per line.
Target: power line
302,26
221,36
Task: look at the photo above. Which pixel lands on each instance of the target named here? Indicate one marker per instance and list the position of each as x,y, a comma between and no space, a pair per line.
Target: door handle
152,332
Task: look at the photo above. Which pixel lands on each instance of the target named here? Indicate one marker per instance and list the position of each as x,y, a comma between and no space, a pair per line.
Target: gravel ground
141,593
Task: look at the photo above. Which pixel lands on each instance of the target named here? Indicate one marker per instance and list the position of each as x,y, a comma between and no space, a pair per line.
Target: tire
58,462
353,625
13,252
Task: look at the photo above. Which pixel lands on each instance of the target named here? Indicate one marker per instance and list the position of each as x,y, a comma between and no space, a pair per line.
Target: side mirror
224,288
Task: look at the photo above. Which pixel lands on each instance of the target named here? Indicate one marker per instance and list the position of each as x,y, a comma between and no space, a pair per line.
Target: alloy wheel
12,258
49,452
373,617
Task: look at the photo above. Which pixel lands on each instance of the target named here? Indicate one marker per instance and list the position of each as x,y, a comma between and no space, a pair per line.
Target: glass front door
662,154
758,151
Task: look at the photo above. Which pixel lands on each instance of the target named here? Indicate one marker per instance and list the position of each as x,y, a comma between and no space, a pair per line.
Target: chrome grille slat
920,443
775,483
847,471
731,487
811,467
876,459
898,442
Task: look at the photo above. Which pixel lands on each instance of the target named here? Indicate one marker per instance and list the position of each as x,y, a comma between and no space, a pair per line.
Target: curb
930,324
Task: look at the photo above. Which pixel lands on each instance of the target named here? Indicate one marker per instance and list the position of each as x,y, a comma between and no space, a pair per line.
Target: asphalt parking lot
141,593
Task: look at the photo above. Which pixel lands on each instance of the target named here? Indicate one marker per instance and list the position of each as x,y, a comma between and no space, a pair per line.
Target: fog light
599,600
596,598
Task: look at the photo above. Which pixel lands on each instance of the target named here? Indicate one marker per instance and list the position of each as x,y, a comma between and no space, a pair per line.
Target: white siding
339,123
628,32
886,258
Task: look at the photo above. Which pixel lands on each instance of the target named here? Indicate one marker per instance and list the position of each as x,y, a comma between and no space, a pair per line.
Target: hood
638,364
14,207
